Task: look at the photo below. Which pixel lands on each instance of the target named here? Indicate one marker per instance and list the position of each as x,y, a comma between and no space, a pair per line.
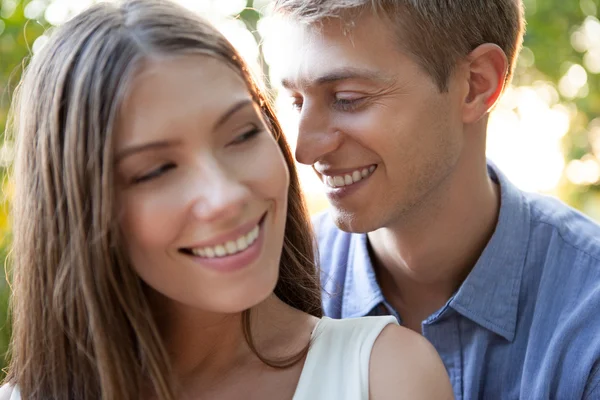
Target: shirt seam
595,374
564,239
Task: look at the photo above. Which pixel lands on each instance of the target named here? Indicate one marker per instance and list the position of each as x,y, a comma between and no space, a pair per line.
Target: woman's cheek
151,216
266,170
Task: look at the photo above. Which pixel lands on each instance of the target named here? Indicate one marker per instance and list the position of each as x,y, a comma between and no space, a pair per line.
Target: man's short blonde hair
436,33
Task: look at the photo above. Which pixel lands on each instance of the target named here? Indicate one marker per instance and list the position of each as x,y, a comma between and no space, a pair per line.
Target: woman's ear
487,68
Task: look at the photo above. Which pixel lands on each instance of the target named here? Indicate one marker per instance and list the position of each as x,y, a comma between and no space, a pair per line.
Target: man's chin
352,222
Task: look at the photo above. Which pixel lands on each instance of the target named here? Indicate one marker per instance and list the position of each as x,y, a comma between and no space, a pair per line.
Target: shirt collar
361,290
490,294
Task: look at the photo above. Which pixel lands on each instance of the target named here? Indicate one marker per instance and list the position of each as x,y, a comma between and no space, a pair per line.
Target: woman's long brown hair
83,328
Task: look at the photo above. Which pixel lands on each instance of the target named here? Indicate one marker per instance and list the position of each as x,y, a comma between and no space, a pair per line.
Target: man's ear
487,68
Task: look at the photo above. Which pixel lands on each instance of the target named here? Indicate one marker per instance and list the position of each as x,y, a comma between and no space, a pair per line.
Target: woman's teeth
229,248
348,179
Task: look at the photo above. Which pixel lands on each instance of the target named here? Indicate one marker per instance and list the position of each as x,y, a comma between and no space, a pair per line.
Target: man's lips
346,177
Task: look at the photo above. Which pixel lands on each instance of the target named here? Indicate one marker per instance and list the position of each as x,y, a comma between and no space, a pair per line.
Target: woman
161,245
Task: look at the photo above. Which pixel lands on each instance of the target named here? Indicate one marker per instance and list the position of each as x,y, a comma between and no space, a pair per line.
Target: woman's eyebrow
128,151
231,112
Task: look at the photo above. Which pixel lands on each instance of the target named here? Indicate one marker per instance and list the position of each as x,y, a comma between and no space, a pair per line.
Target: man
393,100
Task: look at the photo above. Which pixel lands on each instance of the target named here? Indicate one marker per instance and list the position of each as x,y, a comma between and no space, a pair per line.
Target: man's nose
316,139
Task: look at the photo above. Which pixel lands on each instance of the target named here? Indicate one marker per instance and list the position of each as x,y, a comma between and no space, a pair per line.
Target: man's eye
347,104
246,136
297,104
155,173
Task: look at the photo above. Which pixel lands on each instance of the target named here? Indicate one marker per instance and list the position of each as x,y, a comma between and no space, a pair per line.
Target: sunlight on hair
60,11
214,8
39,43
218,12
235,31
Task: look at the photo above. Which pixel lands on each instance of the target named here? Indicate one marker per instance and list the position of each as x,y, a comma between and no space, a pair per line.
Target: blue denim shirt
525,324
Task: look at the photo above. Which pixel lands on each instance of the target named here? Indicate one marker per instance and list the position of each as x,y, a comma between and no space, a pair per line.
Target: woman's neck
208,346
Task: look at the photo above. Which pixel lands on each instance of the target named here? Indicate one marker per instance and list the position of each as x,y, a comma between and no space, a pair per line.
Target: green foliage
550,26
17,35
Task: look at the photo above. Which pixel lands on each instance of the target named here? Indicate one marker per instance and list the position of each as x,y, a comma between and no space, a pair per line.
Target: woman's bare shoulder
405,365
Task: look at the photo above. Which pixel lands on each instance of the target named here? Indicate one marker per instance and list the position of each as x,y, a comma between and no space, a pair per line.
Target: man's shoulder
565,245
565,228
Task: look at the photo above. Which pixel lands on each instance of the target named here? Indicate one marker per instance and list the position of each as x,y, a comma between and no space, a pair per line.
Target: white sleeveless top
337,364
15,395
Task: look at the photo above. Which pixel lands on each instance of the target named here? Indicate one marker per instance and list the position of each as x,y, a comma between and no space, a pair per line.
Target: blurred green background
545,133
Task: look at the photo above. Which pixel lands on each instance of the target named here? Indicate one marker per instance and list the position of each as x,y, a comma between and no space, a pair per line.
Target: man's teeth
229,248
349,179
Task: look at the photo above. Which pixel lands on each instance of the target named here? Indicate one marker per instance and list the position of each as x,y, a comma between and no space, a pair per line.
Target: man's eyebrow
161,144
341,74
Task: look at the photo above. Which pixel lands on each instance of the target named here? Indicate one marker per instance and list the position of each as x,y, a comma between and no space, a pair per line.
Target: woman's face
202,186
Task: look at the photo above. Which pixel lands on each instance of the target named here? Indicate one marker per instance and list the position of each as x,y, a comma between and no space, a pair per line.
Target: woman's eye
155,173
246,136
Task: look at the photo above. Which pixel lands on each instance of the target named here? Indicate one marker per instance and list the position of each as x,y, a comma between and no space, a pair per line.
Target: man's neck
423,259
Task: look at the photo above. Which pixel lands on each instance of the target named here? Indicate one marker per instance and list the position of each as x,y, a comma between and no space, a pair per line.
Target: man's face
373,124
